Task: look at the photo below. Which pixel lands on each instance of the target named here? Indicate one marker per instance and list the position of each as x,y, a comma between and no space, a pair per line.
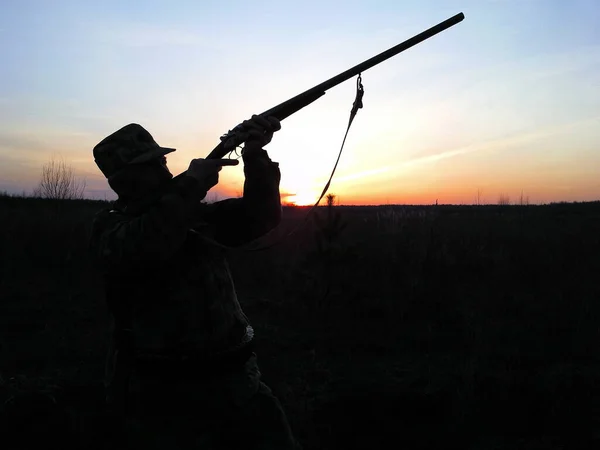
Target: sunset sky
508,101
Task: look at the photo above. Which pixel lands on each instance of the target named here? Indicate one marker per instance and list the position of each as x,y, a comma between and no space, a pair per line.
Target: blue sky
504,102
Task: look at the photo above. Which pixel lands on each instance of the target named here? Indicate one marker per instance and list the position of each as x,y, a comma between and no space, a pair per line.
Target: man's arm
238,221
156,233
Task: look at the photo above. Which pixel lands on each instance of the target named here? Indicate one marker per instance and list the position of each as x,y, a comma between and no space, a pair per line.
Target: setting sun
302,199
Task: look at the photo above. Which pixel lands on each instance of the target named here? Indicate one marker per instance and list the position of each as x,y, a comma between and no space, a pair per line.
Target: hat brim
153,154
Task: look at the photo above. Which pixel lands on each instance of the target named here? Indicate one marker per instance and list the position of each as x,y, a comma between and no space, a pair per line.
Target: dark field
445,327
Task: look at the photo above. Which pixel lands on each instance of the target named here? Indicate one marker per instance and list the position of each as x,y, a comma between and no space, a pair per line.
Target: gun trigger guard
232,139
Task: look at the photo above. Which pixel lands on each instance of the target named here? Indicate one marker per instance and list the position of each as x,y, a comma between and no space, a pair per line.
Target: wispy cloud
555,63
149,35
490,145
508,141
30,143
359,175
16,142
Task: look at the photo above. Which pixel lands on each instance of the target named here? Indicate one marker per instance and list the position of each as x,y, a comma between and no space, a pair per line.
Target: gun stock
295,104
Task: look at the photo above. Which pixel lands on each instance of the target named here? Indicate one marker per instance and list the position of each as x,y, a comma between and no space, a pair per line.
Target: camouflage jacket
167,277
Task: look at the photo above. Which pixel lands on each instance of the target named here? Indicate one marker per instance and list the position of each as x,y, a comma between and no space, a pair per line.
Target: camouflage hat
132,144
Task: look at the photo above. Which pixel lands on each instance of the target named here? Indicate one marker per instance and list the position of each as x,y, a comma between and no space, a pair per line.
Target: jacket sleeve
237,221
119,239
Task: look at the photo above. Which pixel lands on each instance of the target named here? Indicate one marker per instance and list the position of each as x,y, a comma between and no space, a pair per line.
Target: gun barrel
298,102
346,75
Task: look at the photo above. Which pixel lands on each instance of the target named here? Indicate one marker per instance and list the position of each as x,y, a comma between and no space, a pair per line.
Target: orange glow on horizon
301,199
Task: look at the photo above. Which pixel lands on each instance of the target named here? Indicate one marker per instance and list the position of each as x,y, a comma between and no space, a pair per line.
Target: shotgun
229,142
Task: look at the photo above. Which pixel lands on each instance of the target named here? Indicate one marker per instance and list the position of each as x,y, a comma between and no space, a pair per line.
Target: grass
435,326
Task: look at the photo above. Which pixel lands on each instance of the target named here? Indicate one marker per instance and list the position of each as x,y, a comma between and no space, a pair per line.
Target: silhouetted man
181,370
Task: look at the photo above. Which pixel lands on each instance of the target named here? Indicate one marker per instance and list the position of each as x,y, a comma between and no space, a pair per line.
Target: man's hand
258,132
206,171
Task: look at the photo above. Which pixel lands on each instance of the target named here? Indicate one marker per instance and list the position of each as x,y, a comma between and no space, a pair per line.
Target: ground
472,327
